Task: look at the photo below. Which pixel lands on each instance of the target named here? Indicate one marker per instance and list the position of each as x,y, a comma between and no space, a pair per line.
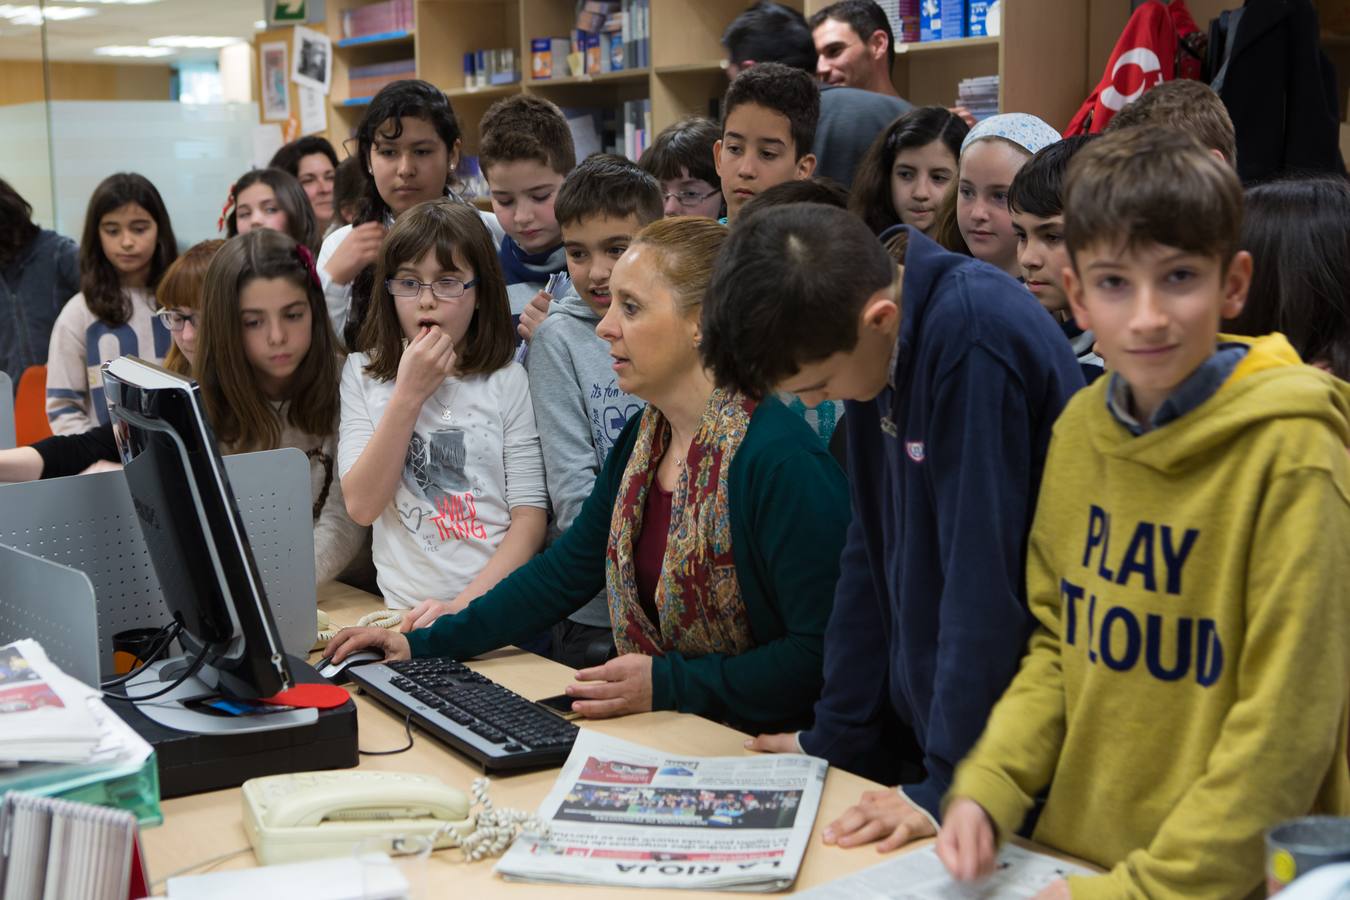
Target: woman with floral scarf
715,526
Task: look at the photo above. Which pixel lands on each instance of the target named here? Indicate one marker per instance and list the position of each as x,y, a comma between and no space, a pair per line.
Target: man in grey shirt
850,119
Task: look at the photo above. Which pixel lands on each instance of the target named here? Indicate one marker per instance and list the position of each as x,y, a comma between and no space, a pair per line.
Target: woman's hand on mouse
427,361
347,641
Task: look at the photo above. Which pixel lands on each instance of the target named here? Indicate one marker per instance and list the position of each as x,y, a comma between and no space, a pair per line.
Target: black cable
407,726
191,670
161,644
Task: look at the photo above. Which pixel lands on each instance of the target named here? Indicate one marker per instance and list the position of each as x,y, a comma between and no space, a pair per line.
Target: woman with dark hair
409,143
39,272
312,162
1298,233
909,170
126,245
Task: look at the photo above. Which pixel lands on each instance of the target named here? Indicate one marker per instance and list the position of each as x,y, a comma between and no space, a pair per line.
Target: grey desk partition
87,522
54,605
7,439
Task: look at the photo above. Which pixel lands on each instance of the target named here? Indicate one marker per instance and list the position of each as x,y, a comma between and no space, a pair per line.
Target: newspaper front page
627,815
44,713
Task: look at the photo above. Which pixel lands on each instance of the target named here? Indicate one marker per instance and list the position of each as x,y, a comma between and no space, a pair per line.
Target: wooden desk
204,826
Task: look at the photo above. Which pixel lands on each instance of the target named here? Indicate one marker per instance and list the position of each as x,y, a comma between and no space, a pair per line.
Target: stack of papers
979,95
920,875
44,713
626,815
55,729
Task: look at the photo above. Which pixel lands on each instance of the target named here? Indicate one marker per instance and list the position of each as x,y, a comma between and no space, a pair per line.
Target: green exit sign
286,12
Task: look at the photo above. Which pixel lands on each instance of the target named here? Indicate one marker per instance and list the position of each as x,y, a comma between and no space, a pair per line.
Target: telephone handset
315,814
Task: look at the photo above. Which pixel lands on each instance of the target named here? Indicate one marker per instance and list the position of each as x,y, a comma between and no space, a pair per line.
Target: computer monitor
193,530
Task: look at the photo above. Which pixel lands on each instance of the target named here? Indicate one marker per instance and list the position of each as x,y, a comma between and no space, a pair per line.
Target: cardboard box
548,58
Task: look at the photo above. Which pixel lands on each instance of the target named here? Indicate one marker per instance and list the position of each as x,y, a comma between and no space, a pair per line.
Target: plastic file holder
54,605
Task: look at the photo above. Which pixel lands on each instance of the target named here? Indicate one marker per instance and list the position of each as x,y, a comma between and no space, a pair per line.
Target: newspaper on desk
622,814
55,732
44,713
920,875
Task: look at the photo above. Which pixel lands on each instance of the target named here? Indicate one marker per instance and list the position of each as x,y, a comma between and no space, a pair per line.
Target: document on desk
44,713
920,875
623,814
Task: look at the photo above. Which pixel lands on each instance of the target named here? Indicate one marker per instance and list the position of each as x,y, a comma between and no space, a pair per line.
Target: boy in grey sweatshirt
578,406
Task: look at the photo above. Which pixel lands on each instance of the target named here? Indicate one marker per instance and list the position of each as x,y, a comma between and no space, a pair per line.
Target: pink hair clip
307,258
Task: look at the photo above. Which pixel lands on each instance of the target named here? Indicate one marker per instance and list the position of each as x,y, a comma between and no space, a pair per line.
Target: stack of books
637,128
624,130
366,81
904,18
485,68
389,17
979,95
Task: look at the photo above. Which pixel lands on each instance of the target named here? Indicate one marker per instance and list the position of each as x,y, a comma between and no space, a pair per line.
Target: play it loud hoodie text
1186,688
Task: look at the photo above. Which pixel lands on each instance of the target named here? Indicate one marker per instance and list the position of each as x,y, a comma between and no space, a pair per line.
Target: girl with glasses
438,448
408,143
681,158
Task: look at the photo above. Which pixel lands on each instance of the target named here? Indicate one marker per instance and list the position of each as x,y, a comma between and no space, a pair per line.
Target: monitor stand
172,710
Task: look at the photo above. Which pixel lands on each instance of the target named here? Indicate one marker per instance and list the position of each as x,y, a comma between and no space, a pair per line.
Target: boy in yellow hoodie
1187,686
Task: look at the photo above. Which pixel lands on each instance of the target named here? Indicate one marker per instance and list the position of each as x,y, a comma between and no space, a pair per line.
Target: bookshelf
1042,57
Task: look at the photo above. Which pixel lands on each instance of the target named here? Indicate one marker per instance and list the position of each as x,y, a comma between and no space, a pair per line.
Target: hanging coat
1280,90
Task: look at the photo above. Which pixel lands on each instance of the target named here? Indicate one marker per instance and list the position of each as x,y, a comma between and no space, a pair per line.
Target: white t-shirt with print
473,457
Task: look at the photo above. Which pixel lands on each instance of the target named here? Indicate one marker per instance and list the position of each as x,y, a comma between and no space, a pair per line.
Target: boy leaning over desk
1186,688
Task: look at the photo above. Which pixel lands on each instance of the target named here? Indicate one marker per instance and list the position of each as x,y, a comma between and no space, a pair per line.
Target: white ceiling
129,24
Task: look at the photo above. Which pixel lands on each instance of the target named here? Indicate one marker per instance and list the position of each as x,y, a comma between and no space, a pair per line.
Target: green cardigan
789,514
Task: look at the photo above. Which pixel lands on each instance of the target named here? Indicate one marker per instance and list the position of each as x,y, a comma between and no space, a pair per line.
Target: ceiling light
146,52
33,15
194,42
119,2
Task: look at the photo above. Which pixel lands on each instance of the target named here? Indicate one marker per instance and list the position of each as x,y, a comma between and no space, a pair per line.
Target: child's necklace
445,408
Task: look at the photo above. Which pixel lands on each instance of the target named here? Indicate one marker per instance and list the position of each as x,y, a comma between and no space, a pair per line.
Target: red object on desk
311,696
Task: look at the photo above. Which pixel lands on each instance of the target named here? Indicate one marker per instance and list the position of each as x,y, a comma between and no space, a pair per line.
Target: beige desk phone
309,815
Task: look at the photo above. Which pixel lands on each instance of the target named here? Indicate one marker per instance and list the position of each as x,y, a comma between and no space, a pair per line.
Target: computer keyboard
496,728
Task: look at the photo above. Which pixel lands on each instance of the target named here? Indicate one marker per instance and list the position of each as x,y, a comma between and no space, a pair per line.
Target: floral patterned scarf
698,597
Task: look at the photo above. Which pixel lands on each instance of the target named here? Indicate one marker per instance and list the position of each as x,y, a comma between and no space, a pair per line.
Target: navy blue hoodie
930,615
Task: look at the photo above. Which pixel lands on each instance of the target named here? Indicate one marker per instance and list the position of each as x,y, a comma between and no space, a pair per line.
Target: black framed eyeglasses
689,199
174,320
441,288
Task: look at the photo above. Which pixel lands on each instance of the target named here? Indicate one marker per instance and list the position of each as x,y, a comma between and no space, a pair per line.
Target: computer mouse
337,672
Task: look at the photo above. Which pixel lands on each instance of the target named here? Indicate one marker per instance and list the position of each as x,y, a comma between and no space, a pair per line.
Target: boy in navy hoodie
952,376
525,153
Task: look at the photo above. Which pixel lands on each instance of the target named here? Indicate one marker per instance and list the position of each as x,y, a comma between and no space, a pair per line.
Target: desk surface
204,826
